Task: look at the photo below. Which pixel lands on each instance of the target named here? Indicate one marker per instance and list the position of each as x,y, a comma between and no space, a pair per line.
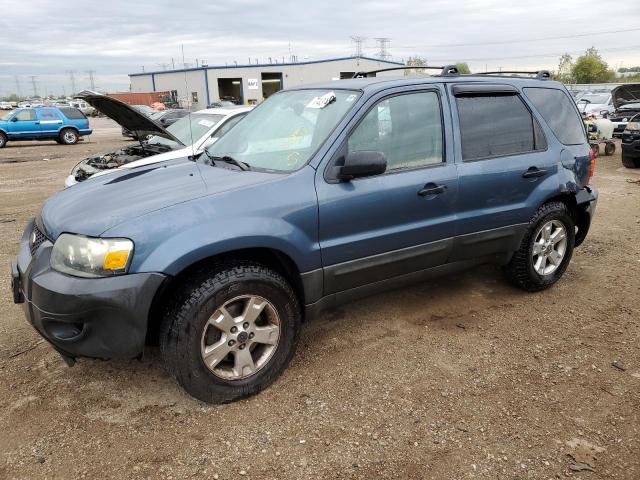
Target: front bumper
83,317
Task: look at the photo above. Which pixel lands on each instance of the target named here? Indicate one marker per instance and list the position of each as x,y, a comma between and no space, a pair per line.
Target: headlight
633,126
91,257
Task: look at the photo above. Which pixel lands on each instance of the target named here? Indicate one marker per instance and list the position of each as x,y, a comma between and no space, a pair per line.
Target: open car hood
624,94
125,115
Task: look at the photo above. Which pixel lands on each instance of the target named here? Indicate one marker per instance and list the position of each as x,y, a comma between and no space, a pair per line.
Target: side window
73,113
558,111
228,125
26,115
497,125
406,128
48,115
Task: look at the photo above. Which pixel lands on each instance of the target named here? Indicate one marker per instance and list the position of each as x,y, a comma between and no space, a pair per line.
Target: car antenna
186,88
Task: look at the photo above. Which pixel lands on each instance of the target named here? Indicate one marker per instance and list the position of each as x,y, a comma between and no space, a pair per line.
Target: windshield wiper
227,159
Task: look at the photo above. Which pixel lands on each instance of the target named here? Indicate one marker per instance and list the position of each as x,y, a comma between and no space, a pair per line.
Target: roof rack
446,71
540,74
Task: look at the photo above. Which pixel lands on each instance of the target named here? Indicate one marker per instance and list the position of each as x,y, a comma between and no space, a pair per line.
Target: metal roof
262,65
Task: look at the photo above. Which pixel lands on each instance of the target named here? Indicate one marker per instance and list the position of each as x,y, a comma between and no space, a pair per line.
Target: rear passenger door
501,158
402,221
50,122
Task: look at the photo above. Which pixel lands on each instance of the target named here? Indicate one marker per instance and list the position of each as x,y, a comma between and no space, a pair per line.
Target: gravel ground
462,377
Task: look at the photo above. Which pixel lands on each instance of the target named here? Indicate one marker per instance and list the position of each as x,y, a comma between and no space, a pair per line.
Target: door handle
432,189
37,123
534,172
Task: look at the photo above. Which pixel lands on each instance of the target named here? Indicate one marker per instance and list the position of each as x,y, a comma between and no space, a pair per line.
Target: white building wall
292,75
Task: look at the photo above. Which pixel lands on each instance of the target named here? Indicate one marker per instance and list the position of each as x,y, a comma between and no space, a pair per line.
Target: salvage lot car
626,101
386,182
187,136
631,144
64,125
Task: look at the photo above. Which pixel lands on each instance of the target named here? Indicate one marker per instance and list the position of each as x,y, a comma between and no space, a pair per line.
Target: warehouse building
248,84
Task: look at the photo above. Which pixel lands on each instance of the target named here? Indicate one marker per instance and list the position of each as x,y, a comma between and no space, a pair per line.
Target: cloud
117,37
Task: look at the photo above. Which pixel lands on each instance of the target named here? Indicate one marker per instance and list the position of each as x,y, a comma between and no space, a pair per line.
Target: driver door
402,221
24,124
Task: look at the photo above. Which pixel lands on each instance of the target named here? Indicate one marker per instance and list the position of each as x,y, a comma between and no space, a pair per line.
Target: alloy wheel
549,247
240,337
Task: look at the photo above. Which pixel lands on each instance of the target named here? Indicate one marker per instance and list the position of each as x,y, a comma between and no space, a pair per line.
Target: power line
34,83
91,80
18,86
72,77
358,40
515,40
383,47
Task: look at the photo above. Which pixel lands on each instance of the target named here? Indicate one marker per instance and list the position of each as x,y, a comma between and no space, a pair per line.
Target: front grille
36,239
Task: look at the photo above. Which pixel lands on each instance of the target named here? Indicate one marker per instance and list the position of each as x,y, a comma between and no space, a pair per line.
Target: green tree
591,68
463,67
565,67
415,62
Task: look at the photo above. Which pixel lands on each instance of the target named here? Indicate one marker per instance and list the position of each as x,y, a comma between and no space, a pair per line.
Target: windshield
201,123
286,130
591,98
7,116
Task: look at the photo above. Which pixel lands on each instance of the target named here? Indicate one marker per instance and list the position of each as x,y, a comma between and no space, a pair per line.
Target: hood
623,94
100,203
125,115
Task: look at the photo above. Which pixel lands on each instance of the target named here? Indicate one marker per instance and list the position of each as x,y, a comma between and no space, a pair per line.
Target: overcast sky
117,37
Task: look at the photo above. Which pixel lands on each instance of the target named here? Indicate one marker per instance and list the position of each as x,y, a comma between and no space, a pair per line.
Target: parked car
84,107
322,194
169,116
626,101
631,143
64,125
187,136
221,104
6,106
595,102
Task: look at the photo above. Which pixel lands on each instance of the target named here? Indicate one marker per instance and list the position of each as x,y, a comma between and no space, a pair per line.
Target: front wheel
545,250
3,140
68,136
231,333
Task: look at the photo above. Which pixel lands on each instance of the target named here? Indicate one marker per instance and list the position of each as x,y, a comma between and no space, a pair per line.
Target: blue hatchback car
321,195
64,125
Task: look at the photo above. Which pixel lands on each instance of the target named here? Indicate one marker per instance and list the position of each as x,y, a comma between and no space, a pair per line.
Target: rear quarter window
558,111
73,113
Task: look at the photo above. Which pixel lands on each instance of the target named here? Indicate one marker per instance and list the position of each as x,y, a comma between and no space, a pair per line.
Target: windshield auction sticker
323,101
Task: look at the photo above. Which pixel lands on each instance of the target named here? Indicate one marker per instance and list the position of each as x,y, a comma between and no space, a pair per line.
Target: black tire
520,270
185,320
609,148
3,140
68,136
630,162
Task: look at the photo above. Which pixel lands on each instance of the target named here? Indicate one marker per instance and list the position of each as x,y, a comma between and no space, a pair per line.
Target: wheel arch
272,258
580,216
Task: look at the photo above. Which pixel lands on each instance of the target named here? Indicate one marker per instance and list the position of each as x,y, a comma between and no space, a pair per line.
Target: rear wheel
68,136
546,249
3,140
609,148
231,333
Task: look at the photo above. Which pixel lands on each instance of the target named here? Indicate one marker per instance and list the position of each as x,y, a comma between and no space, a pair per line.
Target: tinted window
72,113
558,111
496,125
48,115
406,128
26,115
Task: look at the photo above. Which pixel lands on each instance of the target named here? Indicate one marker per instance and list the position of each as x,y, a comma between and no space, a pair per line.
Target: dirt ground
462,377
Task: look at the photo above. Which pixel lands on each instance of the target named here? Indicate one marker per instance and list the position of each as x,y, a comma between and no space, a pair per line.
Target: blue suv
321,195
64,125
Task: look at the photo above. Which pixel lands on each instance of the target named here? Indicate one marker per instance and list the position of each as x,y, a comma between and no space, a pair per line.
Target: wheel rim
240,337
69,137
549,247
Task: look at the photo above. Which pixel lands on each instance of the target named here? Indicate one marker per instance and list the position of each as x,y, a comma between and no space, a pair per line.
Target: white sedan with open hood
188,136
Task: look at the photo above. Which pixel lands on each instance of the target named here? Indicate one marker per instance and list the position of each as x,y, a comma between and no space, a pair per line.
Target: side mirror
604,113
14,119
362,164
